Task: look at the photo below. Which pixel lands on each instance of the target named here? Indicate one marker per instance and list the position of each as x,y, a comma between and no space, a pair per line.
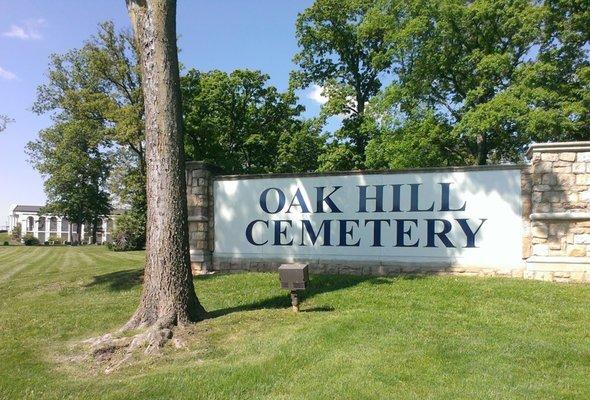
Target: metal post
295,300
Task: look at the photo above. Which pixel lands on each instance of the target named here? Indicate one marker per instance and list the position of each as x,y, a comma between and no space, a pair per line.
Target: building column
199,192
104,229
559,236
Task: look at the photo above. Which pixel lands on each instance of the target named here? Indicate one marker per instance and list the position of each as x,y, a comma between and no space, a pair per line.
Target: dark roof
36,209
27,208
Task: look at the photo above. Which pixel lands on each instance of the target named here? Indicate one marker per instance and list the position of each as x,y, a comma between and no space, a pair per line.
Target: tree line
413,84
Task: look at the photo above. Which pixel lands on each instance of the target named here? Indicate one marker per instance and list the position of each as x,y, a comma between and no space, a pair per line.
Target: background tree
4,121
242,124
421,141
100,83
499,74
336,55
168,296
75,168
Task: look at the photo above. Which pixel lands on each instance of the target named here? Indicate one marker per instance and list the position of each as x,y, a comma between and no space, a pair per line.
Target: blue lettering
469,233
321,199
264,196
249,229
402,232
445,198
442,235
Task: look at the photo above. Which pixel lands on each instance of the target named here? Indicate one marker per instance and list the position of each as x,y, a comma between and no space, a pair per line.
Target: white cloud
316,94
29,30
5,74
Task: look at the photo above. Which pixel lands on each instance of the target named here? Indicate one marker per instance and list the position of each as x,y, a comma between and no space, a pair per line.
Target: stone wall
555,191
560,214
199,192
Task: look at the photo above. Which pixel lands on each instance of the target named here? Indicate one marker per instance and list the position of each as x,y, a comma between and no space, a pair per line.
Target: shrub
16,232
129,233
54,240
6,243
30,240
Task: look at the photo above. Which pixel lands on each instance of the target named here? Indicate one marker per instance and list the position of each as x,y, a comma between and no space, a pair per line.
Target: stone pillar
199,193
559,236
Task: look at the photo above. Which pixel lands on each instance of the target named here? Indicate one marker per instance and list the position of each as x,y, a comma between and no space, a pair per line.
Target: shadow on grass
127,279
119,280
318,284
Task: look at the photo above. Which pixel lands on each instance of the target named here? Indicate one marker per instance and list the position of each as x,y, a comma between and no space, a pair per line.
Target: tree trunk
94,232
482,149
168,295
78,232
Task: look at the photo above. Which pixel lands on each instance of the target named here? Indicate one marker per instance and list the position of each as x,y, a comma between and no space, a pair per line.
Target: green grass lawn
356,338
4,237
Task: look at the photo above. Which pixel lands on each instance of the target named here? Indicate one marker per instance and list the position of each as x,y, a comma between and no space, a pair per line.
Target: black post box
294,276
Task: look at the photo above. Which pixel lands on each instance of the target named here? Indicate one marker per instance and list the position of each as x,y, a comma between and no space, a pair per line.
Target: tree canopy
336,55
242,124
487,77
4,121
71,158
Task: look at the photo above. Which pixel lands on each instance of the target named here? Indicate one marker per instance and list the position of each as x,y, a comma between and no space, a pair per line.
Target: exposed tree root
116,349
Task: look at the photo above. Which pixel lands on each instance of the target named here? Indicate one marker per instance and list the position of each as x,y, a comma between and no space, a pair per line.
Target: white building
47,226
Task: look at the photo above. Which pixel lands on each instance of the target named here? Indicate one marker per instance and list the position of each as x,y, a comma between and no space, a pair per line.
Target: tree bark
482,149
168,296
78,232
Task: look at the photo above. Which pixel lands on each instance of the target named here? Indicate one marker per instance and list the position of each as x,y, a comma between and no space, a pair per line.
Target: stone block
350,270
540,231
553,196
191,200
578,168
527,206
518,273
540,249
565,180
585,196
543,166
583,157
567,156
573,197
576,251
526,247
563,170
561,164
582,179
549,156
548,179
558,229
582,238
541,188
541,207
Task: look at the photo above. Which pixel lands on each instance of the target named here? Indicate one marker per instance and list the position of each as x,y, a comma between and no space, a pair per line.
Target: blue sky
214,34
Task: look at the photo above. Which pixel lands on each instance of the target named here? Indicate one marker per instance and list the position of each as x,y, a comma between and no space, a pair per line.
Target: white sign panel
471,217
